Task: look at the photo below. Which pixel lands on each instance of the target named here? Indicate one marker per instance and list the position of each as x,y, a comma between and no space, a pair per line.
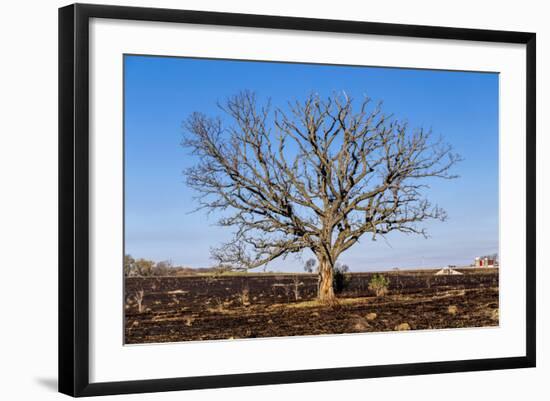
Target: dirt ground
273,305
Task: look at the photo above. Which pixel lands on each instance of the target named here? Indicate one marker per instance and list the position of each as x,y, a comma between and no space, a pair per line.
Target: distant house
486,262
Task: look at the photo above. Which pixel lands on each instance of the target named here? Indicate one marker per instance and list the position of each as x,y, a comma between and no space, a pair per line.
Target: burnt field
169,309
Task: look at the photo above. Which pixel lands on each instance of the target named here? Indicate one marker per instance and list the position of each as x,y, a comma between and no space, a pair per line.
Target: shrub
129,266
138,267
379,284
296,283
163,268
244,296
340,280
138,299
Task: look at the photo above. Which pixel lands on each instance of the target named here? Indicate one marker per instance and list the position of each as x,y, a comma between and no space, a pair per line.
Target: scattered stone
452,309
270,321
315,314
371,316
402,327
495,314
361,325
136,323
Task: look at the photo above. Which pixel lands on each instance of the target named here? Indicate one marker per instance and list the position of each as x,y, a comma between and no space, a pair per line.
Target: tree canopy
317,175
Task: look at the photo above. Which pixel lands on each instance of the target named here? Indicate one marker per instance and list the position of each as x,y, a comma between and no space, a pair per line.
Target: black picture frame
74,198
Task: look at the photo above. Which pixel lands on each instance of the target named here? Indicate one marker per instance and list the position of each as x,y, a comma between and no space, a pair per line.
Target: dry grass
188,320
317,304
244,297
175,292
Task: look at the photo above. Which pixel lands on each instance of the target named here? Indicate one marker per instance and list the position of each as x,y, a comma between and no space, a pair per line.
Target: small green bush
379,284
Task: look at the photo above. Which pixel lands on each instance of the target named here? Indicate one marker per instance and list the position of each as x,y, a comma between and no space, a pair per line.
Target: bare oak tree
318,175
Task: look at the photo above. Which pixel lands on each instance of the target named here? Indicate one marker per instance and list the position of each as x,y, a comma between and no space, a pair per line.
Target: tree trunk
326,290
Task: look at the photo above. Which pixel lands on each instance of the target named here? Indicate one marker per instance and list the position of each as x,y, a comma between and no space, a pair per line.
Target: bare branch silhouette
317,175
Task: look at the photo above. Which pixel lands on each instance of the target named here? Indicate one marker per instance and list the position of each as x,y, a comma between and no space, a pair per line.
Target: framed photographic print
249,199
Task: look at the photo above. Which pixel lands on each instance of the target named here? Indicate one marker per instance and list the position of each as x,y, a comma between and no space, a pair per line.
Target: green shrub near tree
379,284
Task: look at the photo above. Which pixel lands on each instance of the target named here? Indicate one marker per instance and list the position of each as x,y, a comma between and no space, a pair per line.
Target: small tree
244,296
318,175
163,268
379,284
296,284
129,266
309,266
139,267
340,280
138,299
144,267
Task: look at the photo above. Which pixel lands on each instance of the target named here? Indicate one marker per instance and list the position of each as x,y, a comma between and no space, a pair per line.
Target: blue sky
160,92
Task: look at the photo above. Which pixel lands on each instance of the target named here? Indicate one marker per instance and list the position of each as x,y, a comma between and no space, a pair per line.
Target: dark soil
268,305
